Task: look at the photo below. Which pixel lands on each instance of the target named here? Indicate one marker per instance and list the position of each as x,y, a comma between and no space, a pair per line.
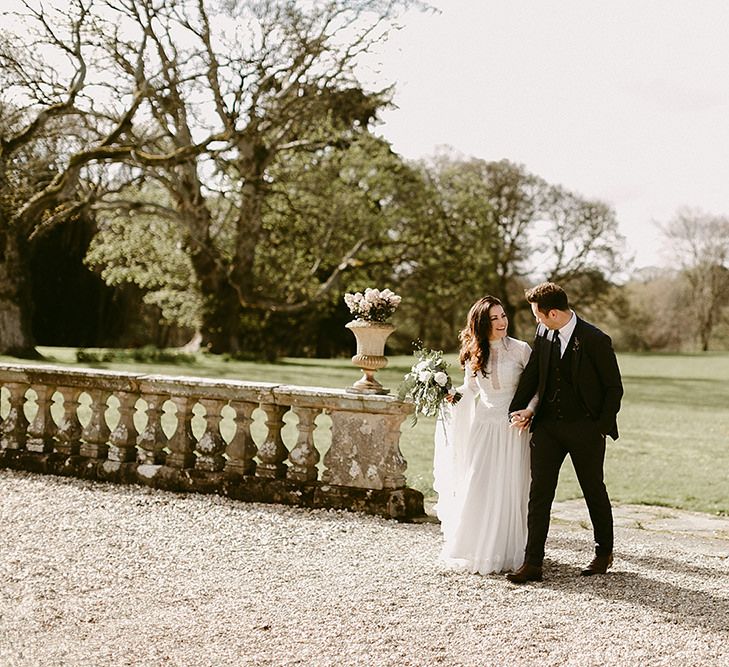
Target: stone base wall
197,435
402,504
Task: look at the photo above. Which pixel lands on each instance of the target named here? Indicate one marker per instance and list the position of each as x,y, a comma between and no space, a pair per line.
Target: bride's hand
454,397
521,418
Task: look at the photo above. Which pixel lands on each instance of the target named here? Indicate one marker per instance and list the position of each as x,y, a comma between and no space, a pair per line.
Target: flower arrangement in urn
371,309
372,305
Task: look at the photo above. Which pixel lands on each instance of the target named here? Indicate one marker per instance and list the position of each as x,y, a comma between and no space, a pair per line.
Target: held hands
521,419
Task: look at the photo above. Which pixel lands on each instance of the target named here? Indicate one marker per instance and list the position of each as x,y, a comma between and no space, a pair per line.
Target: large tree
59,133
499,228
37,108
699,247
198,98
279,79
319,206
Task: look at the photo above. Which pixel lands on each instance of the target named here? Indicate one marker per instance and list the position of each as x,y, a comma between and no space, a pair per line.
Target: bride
481,467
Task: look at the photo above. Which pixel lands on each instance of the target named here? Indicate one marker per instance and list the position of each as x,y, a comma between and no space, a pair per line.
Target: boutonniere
576,345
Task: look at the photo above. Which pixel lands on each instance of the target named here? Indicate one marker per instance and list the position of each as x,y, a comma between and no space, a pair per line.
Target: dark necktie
555,364
556,342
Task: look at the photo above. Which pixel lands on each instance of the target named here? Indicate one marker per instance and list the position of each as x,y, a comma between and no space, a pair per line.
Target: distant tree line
684,306
210,170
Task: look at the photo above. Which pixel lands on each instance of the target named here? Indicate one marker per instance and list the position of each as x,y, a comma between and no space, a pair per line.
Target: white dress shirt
565,333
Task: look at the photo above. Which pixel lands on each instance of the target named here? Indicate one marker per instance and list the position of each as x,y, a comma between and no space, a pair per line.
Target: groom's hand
521,418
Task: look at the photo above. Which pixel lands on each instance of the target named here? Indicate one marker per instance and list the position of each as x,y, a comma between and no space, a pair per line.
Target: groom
575,373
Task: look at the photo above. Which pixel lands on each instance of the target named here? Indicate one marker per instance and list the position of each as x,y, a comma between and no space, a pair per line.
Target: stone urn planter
370,357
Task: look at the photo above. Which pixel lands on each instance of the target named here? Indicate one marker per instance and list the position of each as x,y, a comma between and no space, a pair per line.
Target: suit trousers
551,442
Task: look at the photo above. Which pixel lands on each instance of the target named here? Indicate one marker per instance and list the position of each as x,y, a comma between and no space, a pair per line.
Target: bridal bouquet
428,383
373,305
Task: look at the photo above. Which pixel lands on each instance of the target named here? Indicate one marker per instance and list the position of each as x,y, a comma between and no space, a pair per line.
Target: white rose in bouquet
441,378
424,376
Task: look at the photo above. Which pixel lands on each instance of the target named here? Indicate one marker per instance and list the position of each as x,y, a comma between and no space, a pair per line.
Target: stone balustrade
199,434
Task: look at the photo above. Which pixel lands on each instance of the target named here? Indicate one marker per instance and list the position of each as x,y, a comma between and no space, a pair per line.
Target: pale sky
622,100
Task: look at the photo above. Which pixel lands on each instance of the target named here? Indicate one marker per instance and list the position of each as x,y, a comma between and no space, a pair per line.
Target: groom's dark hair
548,296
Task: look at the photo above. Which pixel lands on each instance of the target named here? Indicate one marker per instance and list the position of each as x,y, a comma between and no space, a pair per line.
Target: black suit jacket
595,375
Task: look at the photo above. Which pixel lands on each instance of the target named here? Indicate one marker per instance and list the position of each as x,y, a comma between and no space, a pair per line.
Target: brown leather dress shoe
525,573
599,565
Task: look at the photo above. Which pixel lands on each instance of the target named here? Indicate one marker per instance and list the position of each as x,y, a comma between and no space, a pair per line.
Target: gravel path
94,574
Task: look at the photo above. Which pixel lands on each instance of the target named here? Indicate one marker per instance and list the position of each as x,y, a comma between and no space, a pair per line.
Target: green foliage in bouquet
428,383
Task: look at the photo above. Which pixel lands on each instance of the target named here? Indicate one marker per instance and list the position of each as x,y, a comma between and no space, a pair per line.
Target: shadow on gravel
657,562
694,608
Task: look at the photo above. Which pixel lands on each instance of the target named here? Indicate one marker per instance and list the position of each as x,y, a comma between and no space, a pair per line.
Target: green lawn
674,444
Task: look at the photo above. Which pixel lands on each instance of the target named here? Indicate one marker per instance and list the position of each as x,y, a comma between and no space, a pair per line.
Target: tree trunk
220,326
706,318
705,330
510,310
509,307
220,319
16,336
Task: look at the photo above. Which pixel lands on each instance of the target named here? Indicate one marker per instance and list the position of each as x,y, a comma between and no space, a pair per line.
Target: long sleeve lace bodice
507,359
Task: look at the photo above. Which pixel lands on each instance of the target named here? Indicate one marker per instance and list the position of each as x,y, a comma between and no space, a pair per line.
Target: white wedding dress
481,468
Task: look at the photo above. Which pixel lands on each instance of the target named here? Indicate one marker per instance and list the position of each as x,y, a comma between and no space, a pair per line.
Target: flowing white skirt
481,474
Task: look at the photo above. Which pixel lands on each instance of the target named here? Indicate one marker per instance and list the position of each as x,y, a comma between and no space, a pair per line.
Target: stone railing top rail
202,387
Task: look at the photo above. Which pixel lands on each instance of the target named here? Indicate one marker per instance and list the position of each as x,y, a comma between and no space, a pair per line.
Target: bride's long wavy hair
475,336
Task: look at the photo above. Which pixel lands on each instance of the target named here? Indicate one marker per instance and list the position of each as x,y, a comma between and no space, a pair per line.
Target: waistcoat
561,401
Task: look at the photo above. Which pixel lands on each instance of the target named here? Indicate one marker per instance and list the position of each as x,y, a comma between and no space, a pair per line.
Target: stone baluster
69,431
272,453
181,444
242,449
123,438
95,435
15,425
152,441
304,455
394,464
42,429
211,445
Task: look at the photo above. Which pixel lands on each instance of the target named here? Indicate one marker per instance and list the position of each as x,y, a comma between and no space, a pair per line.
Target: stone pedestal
370,357
365,451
